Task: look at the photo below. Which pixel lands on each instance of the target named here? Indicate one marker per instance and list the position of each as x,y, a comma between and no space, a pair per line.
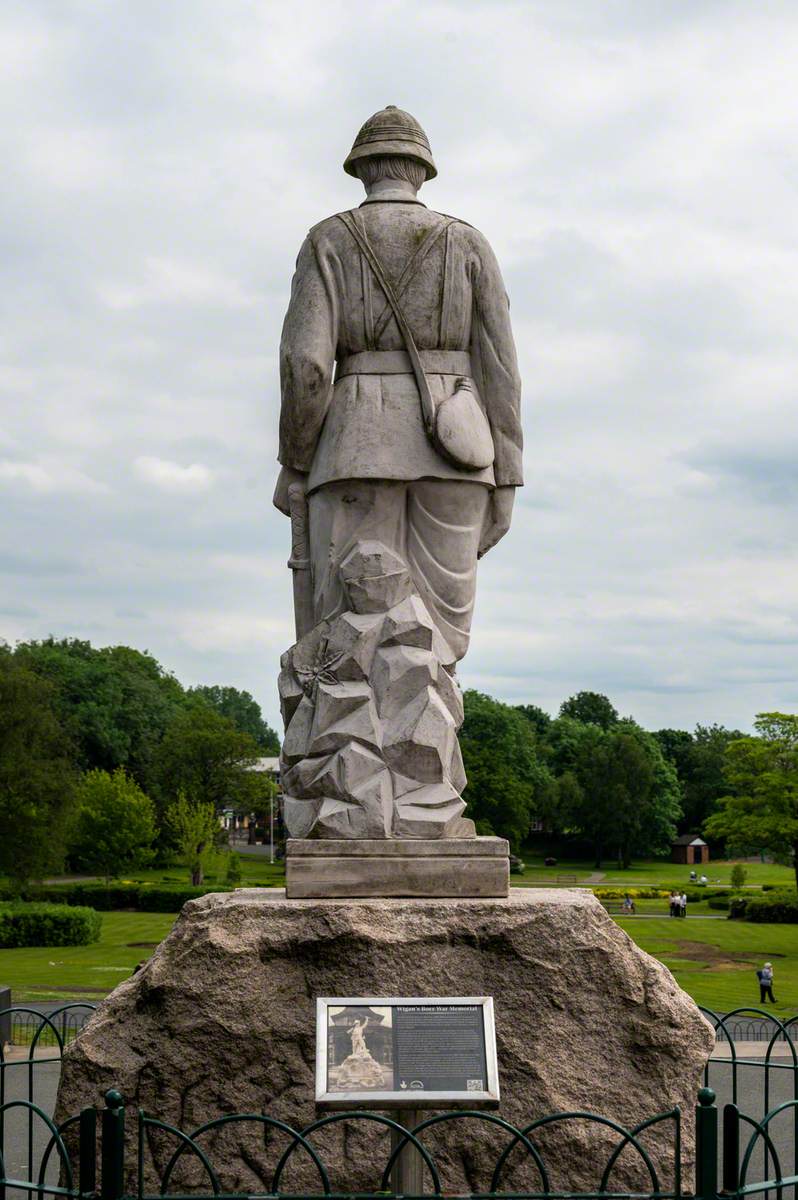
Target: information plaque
407,1052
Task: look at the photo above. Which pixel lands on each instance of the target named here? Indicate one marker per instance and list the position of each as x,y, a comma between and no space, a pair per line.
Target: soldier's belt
397,362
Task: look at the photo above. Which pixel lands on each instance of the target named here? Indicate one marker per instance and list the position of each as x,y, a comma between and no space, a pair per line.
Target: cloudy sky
635,165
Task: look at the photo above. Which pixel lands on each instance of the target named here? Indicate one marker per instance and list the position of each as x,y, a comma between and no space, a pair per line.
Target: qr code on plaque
474,1085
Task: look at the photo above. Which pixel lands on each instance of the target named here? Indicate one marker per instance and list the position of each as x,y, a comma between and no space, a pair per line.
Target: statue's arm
307,359
496,365
496,369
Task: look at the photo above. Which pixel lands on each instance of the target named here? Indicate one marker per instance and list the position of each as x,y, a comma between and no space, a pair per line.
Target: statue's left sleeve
307,357
495,365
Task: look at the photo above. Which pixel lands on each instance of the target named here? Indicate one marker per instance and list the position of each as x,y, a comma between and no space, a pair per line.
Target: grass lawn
254,870
715,961
84,972
650,873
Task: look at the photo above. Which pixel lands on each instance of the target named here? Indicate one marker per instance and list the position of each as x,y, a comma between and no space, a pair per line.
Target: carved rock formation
372,708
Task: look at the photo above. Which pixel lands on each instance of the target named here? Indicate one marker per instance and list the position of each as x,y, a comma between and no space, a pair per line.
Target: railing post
706,1146
731,1148
112,1184
87,1154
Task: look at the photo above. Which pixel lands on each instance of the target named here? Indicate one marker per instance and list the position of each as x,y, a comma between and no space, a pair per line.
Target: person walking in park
683,905
674,905
765,977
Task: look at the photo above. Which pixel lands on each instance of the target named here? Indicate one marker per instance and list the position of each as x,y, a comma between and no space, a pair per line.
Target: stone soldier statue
400,446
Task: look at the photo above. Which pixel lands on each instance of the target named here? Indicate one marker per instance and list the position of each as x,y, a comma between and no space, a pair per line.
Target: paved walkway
664,916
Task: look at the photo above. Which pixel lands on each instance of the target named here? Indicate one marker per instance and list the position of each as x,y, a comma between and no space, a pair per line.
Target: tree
763,773
240,708
115,824
193,826
591,708
204,755
508,784
538,719
738,876
700,762
615,788
115,702
36,774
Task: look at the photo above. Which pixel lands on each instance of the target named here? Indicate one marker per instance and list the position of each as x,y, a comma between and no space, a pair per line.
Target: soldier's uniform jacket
361,418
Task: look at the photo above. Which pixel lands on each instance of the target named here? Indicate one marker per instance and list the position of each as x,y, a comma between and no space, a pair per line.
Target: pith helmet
392,131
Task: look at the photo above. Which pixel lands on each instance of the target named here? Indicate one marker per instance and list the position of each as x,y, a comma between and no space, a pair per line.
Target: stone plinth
442,867
222,1019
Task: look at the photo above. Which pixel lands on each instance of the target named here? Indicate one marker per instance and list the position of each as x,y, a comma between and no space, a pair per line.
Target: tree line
596,779
107,761
602,784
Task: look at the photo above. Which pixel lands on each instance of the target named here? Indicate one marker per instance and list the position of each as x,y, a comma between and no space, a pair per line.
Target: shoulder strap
413,265
360,238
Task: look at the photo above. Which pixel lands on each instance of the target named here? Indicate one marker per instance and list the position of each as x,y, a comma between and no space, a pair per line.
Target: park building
690,849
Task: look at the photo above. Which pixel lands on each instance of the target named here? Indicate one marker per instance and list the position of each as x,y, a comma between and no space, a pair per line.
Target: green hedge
116,896
694,895
777,908
47,925
722,903
618,893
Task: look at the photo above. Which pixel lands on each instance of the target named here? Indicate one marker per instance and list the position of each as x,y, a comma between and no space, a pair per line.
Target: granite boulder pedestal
222,1019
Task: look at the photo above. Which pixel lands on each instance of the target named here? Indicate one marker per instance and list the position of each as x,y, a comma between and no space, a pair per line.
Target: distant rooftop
266,764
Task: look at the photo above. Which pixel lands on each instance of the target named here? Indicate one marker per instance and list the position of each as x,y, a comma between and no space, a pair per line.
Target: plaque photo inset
416,1052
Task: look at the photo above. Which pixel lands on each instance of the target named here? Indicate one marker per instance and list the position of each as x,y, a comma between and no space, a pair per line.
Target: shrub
720,902
233,868
115,824
608,893
779,908
738,875
47,925
171,900
115,897
99,896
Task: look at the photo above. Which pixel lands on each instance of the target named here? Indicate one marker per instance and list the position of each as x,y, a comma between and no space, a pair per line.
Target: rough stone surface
221,1019
372,710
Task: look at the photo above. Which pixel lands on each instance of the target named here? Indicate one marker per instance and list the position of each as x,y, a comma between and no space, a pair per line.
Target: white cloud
166,281
48,476
172,477
634,167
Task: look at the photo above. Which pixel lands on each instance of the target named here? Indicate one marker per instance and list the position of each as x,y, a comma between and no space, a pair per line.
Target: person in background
693,877
765,977
674,904
683,905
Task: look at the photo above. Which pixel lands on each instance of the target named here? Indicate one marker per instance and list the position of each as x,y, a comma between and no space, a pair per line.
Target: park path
660,916
596,877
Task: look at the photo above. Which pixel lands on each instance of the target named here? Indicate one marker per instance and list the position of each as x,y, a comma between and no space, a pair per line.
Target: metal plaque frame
416,1099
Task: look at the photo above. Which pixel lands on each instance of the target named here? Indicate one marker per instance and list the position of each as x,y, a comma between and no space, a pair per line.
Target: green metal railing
89,1157
76,1157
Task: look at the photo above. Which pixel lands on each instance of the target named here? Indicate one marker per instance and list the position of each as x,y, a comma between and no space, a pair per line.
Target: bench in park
569,880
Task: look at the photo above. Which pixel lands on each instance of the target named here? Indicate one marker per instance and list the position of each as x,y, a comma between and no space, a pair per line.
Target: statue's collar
392,197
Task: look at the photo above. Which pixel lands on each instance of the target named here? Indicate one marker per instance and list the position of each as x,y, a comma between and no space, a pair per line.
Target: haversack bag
457,428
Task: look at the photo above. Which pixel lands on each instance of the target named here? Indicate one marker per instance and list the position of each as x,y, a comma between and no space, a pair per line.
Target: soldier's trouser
434,525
